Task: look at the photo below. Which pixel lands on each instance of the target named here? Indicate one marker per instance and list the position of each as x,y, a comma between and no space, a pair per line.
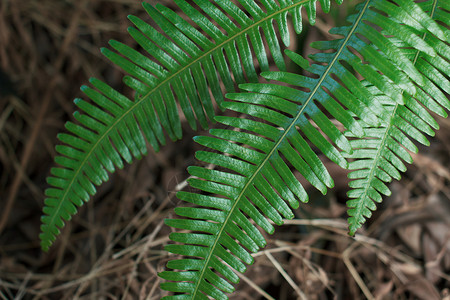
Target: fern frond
377,158
182,64
259,158
259,184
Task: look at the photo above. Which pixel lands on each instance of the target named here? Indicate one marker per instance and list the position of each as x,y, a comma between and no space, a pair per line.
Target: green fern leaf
377,159
113,128
255,179
258,185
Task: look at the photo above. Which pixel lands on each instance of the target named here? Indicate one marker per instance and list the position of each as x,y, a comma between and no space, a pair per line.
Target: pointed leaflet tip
134,20
113,43
104,50
351,231
353,225
311,11
149,8
242,86
146,5
325,4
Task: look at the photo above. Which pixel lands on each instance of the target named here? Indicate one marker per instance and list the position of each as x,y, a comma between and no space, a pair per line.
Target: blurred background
112,249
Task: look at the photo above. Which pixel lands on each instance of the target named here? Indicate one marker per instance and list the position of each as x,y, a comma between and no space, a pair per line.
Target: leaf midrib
275,147
79,170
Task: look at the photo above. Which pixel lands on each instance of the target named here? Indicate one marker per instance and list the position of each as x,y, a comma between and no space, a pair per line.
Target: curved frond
378,157
181,66
263,155
257,182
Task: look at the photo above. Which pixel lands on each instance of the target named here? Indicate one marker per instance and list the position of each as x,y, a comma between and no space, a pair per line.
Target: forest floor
113,248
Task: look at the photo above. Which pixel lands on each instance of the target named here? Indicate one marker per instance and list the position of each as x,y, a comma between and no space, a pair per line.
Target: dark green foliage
399,48
189,65
378,157
259,153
